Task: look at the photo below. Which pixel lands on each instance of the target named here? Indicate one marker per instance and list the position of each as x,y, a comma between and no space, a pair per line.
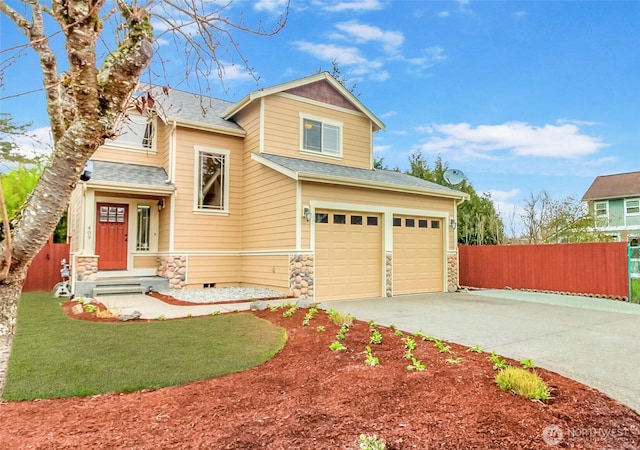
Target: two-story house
277,190
614,200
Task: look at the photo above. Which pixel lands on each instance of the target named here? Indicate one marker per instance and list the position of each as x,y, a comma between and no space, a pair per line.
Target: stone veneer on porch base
301,275
174,268
86,268
453,282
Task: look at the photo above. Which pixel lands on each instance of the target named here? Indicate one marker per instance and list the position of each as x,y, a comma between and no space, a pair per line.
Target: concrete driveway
593,341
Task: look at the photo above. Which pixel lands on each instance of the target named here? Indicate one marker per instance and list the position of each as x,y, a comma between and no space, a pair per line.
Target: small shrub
337,346
289,312
527,364
498,362
409,343
370,360
376,337
442,347
366,442
90,308
522,382
320,329
307,318
339,318
399,333
454,360
475,349
416,365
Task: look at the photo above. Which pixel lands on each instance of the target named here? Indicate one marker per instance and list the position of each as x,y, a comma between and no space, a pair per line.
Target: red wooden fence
44,271
593,268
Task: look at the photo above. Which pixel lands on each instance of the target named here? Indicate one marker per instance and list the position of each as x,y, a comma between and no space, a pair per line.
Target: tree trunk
10,290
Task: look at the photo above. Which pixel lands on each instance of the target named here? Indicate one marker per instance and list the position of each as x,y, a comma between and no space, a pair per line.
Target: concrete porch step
112,289
120,285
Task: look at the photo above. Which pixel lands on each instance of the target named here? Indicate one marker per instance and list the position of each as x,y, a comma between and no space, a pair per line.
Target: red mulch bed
308,397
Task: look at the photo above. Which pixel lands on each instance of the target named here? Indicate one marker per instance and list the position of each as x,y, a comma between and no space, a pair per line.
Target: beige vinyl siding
164,225
156,158
163,144
223,270
249,120
269,271
282,131
145,261
361,196
206,231
270,209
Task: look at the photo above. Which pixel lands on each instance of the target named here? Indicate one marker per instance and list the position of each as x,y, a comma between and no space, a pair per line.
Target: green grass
635,290
56,356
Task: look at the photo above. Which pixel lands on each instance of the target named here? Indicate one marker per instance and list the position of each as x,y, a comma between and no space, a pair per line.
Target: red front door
111,236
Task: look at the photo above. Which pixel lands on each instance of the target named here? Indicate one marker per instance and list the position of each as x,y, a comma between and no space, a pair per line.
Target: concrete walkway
593,341
152,308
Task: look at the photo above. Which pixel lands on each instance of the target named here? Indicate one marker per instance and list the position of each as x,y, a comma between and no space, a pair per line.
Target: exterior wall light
306,212
160,204
454,224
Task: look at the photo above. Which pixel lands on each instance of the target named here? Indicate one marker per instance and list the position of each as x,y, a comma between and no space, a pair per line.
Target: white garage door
418,254
348,255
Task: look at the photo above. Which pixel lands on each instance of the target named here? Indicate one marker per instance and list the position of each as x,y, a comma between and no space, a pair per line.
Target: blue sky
521,96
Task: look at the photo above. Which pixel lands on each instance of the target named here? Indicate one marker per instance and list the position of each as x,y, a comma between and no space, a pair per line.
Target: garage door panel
348,256
418,255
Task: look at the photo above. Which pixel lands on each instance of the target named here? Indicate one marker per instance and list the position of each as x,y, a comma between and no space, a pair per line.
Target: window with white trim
601,209
138,133
211,180
321,135
632,207
143,228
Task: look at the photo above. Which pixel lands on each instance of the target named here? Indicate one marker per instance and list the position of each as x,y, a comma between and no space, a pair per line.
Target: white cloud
513,138
444,14
381,148
270,5
36,142
233,72
327,52
350,5
390,40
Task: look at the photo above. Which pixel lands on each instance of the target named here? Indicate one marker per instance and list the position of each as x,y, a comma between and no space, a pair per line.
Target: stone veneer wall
389,274
86,268
174,268
453,280
301,275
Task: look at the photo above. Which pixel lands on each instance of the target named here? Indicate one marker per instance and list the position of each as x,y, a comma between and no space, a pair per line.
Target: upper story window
138,133
601,212
211,179
321,135
600,209
632,207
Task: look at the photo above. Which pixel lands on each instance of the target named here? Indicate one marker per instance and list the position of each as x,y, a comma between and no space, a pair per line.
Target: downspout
172,178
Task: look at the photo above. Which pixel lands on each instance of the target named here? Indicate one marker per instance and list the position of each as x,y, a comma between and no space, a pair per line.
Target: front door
111,236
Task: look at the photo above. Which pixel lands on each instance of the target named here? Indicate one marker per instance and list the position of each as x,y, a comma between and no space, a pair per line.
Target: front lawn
56,356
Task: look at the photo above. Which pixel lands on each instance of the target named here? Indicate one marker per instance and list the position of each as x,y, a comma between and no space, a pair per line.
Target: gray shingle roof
385,178
192,107
113,172
614,186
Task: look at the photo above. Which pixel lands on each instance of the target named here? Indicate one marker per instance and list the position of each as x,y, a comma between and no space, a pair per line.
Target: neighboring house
615,202
277,190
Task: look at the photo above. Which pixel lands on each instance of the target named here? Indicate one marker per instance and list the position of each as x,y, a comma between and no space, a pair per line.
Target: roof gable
614,186
322,91
316,87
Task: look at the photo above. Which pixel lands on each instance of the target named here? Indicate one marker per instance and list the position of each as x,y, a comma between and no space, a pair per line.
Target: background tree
107,46
547,220
478,221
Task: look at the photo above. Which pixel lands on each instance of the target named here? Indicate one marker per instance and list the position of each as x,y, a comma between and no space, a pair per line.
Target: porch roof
131,176
305,170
